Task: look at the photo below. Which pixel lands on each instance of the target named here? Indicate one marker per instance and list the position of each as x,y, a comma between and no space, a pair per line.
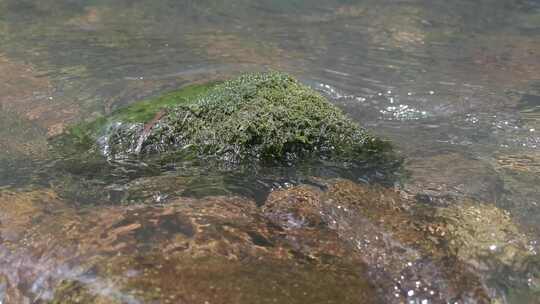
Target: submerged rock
468,252
449,176
216,250
521,175
338,242
268,117
483,235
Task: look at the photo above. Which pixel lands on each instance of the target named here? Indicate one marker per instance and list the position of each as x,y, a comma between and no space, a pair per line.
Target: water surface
454,84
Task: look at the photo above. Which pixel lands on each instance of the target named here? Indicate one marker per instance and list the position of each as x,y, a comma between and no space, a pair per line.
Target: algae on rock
84,135
268,117
480,233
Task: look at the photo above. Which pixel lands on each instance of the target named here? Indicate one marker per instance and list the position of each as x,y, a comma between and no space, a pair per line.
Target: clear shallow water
455,85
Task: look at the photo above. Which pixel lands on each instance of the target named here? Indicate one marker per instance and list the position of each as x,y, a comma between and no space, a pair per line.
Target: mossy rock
84,135
263,117
483,235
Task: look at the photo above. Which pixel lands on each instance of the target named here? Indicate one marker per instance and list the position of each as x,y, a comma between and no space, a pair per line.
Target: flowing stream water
455,85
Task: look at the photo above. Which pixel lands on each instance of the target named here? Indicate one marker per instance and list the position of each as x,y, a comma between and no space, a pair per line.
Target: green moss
83,135
145,110
264,116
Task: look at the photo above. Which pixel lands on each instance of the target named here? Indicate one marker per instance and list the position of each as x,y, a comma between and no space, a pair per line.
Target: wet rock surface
342,243
219,250
481,235
416,251
520,172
